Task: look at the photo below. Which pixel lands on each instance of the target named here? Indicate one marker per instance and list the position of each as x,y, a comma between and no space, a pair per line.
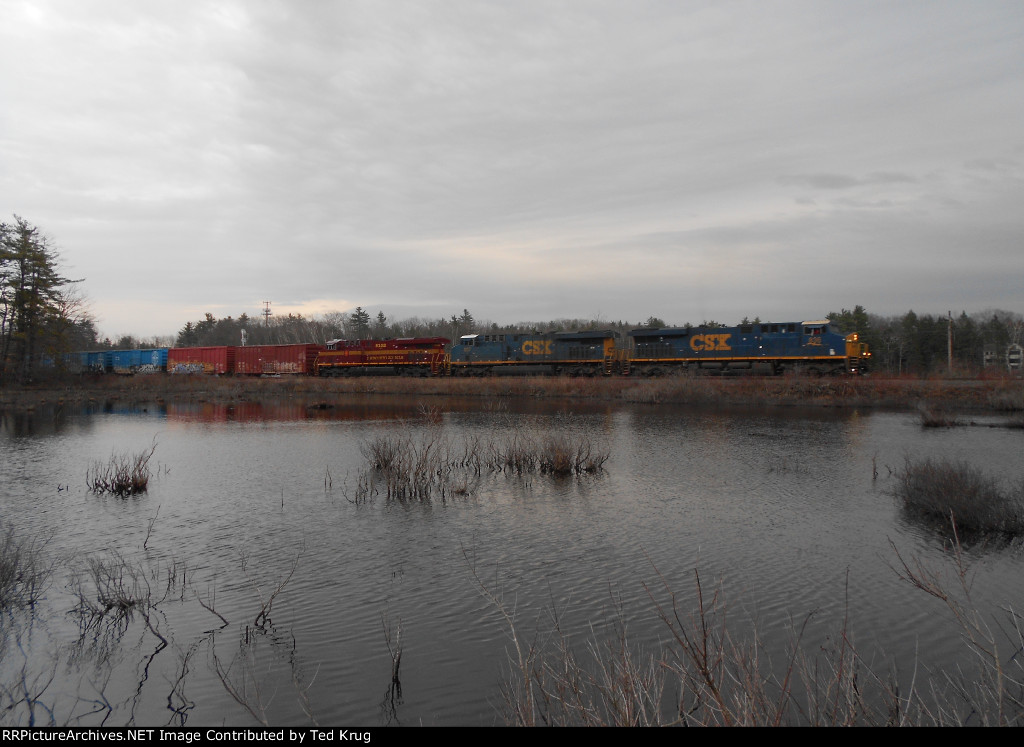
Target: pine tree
359,323
34,301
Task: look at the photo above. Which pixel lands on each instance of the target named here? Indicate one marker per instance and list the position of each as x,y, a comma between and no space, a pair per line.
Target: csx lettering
710,342
537,347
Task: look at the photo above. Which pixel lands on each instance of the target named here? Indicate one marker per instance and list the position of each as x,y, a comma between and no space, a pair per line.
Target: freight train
810,347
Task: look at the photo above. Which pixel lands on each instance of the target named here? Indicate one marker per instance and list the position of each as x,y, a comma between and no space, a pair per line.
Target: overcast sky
523,160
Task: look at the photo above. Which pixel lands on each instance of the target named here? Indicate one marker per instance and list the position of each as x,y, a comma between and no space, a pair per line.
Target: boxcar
93,361
274,360
812,347
589,353
153,360
212,360
407,356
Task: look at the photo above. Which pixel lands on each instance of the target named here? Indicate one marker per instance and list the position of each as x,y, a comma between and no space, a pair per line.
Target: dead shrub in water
24,573
112,591
112,585
122,475
945,491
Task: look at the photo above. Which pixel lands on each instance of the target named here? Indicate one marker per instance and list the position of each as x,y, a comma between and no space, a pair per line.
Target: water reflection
280,579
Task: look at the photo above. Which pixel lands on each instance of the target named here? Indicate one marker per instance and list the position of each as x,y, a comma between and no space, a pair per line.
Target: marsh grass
404,466
951,493
122,475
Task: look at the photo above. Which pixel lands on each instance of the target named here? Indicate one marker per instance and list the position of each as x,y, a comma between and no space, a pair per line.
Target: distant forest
906,344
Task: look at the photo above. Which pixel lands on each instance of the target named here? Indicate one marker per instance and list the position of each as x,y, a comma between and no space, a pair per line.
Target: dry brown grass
713,671
1000,393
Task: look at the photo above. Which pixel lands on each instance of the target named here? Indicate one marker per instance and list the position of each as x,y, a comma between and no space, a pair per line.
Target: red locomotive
412,356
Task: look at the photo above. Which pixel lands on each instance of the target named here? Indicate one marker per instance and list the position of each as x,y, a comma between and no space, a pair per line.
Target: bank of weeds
998,394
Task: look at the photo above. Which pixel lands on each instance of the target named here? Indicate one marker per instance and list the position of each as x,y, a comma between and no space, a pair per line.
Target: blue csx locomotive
811,347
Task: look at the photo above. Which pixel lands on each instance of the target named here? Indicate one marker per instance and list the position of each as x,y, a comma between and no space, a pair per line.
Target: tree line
919,343
43,316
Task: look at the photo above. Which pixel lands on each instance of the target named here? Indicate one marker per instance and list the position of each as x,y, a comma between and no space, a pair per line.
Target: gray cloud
522,160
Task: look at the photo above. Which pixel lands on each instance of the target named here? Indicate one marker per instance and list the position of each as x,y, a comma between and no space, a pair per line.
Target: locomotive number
537,347
710,342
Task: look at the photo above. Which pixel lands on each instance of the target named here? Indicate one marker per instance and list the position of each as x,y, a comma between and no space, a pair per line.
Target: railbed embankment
970,395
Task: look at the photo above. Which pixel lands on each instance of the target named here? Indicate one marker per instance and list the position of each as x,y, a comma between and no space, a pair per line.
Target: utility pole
949,343
266,314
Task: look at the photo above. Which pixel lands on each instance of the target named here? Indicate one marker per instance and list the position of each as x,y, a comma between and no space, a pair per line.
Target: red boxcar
211,360
257,360
415,356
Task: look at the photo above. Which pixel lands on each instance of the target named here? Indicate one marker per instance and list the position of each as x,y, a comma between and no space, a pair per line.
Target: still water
255,509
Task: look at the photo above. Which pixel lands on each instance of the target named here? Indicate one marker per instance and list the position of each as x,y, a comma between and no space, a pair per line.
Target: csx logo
710,342
537,347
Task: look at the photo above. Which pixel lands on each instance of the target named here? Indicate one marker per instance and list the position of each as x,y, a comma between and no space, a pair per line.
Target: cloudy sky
526,160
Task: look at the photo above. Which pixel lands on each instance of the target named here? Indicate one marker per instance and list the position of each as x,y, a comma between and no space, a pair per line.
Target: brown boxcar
258,360
211,360
414,356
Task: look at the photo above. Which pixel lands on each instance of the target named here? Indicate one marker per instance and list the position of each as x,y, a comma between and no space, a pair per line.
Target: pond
280,587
